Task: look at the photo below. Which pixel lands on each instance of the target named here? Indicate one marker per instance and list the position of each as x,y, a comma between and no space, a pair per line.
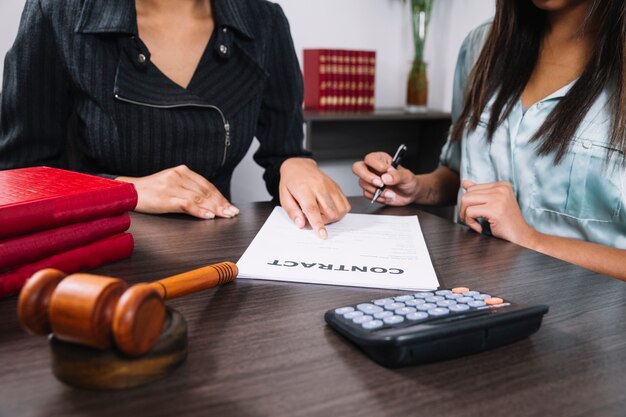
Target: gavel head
92,310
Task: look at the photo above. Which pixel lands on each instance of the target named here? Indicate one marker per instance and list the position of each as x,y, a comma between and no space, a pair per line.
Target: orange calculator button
493,301
460,290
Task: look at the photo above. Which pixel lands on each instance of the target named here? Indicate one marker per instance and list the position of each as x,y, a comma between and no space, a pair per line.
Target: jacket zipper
173,106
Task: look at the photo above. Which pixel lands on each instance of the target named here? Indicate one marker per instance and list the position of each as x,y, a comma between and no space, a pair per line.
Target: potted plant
417,85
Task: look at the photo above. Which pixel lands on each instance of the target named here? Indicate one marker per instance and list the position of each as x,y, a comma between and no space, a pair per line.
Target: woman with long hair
538,142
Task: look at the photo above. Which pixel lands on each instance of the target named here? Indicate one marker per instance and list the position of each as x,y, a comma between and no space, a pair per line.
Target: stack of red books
52,218
339,79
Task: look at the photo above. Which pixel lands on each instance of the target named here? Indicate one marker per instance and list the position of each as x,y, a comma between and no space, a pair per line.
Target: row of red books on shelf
52,218
339,79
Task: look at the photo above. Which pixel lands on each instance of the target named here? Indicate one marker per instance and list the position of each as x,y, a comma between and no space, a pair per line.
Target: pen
394,163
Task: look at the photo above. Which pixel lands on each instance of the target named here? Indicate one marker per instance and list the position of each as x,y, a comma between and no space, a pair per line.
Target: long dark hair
509,56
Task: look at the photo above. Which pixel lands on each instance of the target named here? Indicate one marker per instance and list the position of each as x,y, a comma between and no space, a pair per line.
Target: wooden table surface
260,348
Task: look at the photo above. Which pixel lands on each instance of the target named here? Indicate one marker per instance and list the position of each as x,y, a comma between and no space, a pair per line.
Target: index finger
312,212
378,161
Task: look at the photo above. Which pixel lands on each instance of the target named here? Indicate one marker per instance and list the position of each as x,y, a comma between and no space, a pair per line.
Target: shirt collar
120,16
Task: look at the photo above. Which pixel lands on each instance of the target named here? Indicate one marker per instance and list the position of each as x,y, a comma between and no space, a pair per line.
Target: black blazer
82,61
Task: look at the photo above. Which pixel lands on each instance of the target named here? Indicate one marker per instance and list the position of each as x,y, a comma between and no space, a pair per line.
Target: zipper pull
227,131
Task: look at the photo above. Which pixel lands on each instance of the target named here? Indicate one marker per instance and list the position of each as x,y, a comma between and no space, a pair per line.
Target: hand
180,190
306,193
401,185
496,203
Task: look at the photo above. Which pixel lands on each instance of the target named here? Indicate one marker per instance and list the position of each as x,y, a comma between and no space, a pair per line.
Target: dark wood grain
262,348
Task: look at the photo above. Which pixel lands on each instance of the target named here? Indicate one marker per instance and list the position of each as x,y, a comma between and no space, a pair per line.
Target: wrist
532,240
296,161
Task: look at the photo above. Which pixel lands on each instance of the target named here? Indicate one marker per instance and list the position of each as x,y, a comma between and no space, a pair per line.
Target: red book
371,81
90,256
24,249
40,198
317,68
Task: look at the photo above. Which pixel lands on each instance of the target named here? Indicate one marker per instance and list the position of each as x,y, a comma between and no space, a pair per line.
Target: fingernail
390,195
377,182
299,221
387,178
209,215
234,209
323,234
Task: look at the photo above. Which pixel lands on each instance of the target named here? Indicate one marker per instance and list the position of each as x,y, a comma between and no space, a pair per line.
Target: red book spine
40,198
317,79
35,246
352,81
90,256
333,80
371,84
362,81
342,79
313,69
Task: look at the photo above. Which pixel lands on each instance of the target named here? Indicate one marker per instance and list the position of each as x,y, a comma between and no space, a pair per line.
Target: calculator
426,326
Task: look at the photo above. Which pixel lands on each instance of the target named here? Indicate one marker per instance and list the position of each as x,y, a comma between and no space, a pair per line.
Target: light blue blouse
582,197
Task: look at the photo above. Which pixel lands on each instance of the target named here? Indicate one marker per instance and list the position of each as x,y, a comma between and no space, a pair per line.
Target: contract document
362,250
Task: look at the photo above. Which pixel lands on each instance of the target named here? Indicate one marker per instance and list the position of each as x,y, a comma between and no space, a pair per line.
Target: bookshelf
335,136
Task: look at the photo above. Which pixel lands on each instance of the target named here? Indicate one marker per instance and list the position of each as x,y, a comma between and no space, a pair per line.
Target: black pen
394,163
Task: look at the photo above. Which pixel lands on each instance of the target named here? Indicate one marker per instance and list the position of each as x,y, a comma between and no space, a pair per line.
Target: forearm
599,258
437,188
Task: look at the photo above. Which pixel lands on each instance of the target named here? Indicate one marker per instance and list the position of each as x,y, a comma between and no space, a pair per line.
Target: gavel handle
196,280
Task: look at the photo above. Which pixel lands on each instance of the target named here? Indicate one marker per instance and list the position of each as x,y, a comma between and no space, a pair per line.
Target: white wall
381,25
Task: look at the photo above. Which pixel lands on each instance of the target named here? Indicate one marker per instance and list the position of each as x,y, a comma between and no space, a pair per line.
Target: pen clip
398,156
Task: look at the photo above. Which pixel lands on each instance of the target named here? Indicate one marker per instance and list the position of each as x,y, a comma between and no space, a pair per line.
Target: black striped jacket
78,69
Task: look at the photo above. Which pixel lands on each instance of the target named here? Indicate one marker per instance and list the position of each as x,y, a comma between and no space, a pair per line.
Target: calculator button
353,314
439,311
423,294
455,308
393,319
393,306
482,297
434,299
383,314
465,300
471,293
425,306
445,303
404,311
368,308
460,290
474,303
383,301
403,298
343,310
419,315
443,292
362,319
454,296
372,324
494,301
415,302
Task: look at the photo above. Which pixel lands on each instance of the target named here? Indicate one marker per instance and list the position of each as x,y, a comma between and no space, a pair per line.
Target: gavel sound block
100,312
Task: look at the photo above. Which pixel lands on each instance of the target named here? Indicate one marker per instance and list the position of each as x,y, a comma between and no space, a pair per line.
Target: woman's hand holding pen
401,185
307,194
496,203
180,190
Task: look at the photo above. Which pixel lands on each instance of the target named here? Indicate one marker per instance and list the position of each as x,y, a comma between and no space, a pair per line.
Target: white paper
362,250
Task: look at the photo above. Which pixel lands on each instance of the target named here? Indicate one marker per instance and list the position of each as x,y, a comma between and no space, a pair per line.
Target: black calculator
427,326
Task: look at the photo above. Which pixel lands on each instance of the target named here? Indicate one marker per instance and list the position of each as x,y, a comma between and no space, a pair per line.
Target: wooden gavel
96,310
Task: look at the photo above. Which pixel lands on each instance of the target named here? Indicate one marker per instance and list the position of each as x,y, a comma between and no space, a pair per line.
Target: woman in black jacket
167,95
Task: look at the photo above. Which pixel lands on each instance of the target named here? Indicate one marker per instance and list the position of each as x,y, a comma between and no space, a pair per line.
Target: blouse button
539,106
223,49
587,144
141,58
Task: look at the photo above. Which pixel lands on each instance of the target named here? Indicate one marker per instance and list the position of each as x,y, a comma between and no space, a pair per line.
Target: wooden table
262,348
